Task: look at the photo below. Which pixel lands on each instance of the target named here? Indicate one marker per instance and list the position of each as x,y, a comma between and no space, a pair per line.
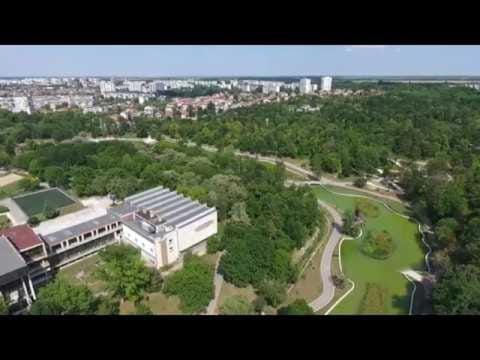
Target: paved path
218,283
328,288
16,215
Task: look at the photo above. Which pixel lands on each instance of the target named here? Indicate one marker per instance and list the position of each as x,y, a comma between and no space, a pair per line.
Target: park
374,275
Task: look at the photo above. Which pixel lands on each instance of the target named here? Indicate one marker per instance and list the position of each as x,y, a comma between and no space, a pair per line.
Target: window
204,226
72,241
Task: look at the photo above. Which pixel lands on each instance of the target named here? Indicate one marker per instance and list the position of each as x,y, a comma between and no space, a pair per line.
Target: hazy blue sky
238,60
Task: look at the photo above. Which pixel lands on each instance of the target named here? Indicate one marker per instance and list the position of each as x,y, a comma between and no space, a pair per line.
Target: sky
258,60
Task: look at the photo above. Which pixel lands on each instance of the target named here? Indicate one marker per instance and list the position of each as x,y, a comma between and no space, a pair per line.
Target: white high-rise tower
326,84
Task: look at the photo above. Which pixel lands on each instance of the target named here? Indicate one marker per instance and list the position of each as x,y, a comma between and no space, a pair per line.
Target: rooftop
69,220
79,229
166,206
22,237
10,259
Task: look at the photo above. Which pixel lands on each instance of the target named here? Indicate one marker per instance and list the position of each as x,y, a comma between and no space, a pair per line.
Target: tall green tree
298,307
63,298
193,285
124,272
458,291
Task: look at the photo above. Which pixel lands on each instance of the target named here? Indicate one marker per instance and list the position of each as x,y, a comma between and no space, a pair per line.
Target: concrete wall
197,231
148,250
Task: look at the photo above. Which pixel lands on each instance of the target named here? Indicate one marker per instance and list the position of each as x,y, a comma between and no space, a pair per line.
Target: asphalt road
328,289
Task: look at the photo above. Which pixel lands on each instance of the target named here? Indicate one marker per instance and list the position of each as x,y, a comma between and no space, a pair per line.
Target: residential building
326,83
24,263
135,86
15,104
107,86
305,86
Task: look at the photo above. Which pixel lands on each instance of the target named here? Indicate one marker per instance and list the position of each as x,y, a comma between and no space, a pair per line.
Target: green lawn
34,203
409,253
395,205
10,190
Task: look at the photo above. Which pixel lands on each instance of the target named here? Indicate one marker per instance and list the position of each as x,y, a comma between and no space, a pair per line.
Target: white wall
171,241
137,240
190,235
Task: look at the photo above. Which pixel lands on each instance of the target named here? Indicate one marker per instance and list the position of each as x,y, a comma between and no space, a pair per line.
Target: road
328,289
218,283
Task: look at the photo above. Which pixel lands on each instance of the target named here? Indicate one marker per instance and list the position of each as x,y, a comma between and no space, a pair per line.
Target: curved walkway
218,283
405,273
328,289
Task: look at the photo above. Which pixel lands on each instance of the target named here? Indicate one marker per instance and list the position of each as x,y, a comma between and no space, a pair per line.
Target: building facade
162,224
305,86
326,83
165,225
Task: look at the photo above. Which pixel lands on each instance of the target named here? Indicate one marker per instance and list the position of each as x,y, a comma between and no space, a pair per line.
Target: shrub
236,305
214,244
273,291
374,300
366,208
33,221
298,307
108,306
338,281
156,281
142,309
193,285
50,213
259,303
3,306
4,222
378,245
360,182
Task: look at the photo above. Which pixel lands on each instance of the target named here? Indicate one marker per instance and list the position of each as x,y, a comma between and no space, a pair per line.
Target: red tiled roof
22,236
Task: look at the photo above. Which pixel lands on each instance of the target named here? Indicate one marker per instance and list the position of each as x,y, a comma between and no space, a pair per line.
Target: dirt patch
9,179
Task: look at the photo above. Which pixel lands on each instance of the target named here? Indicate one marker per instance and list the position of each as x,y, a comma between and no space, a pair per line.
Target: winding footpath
218,283
328,288
410,275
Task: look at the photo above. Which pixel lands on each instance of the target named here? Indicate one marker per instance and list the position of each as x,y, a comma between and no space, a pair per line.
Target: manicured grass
10,190
4,222
82,272
395,205
409,254
34,203
229,290
290,175
309,286
159,303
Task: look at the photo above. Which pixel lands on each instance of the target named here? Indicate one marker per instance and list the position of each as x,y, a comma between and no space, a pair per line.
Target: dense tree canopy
193,285
63,298
298,307
124,272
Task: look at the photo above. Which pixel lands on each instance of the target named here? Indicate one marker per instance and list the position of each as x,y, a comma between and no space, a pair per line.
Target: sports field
34,203
362,269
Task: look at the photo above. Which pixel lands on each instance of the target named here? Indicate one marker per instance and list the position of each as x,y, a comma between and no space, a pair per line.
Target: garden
390,244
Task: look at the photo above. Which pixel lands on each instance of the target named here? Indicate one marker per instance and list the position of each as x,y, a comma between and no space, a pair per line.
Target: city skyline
238,61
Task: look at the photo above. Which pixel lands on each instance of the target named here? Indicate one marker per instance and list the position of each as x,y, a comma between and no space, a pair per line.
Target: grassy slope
362,269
